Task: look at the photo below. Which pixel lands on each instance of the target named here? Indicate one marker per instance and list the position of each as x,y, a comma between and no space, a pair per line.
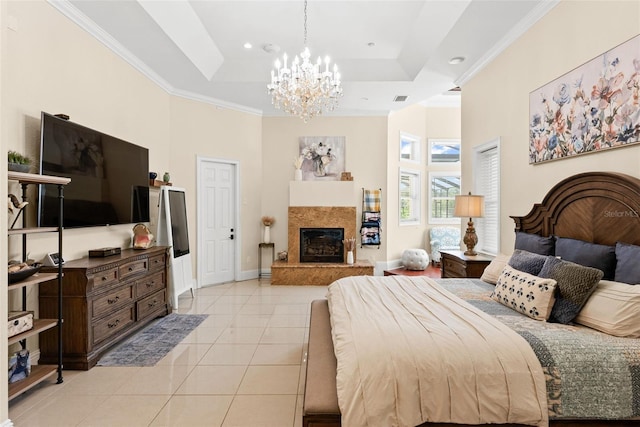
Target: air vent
455,89
400,98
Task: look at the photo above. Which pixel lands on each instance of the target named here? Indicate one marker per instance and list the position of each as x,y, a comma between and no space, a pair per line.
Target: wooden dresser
104,300
457,264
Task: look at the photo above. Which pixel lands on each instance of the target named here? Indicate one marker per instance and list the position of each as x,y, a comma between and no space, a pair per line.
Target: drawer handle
113,301
104,278
152,304
150,284
130,268
113,325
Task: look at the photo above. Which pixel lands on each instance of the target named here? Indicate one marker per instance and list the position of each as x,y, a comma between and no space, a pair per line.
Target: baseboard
6,423
247,275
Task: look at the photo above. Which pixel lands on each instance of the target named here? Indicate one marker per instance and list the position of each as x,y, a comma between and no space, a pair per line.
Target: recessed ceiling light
457,60
271,48
371,44
247,45
364,98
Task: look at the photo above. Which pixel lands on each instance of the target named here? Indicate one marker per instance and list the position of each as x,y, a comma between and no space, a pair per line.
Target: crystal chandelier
304,90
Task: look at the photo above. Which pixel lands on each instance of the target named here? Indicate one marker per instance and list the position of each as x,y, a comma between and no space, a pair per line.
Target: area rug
147,346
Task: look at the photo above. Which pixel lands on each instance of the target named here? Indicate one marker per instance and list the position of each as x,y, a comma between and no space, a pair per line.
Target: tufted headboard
598,207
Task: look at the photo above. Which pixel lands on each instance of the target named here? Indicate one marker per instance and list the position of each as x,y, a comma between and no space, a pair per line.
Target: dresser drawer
150,284
112,324
133,268
156,262
103,279
453,268
112,301
150,304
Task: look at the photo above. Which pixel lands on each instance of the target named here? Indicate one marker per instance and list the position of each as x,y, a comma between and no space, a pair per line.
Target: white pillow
613,308
525,293
495,267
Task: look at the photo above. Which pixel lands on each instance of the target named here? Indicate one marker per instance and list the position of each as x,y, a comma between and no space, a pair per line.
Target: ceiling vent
400,98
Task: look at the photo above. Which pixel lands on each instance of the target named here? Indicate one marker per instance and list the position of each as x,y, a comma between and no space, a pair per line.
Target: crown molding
523,26
214,101
75,15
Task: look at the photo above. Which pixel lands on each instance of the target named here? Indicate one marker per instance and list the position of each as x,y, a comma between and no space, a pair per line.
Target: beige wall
495,103
425,123
366,148
208,131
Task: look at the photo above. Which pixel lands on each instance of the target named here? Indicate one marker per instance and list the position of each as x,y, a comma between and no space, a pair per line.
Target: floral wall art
591,108
323,157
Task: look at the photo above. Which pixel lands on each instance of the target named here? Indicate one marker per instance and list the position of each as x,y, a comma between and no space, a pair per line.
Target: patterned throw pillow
526,293
575,285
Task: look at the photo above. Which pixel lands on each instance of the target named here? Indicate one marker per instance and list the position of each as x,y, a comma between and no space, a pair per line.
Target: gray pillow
628,263
535,244
575,285
527,261
602,257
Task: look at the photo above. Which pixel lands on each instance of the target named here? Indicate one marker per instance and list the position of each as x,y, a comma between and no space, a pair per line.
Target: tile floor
243,366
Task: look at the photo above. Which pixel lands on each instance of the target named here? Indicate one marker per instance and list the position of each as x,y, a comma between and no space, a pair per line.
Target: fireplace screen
321,245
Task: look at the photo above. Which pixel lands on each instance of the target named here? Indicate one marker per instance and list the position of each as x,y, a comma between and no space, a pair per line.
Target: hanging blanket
371,200
407,350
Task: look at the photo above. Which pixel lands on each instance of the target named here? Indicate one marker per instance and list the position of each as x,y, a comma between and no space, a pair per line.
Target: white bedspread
409,352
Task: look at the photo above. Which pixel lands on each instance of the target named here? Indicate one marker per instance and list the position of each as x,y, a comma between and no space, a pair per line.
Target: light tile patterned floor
242,367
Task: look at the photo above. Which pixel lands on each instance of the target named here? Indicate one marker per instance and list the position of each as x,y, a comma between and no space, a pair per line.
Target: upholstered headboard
598,207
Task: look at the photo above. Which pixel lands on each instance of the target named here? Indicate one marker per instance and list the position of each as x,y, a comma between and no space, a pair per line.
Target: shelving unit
38,373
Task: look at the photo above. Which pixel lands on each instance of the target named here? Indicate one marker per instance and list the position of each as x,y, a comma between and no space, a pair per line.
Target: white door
216,221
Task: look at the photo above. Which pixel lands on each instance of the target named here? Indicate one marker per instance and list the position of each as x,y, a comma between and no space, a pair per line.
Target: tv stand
104,301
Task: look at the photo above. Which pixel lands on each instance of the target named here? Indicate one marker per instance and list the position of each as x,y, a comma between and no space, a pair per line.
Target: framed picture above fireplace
323,157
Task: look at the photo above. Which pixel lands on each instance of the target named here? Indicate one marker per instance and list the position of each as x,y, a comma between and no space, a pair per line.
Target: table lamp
469,206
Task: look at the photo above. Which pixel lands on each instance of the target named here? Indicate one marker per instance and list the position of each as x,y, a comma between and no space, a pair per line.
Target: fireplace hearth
320,245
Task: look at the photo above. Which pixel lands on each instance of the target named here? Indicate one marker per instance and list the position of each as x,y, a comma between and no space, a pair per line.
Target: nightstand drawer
457,264
453,268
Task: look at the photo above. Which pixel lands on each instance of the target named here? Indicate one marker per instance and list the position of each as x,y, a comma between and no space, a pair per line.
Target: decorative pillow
628,265
602,257
534,243
526,293
575,285
527,261
613,308
495,267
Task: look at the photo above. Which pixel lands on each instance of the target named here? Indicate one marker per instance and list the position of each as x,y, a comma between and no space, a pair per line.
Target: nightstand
457,264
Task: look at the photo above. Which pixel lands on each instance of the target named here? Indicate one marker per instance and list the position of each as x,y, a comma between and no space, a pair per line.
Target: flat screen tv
109,177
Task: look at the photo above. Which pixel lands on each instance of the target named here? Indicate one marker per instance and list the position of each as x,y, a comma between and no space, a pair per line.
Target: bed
595,208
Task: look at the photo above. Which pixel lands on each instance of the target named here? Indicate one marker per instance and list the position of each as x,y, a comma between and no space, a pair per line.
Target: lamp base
470,239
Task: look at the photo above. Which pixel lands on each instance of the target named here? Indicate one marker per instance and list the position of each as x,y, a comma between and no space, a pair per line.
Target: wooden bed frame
597,207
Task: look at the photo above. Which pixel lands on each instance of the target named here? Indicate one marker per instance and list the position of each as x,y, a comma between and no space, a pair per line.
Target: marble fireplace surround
318,217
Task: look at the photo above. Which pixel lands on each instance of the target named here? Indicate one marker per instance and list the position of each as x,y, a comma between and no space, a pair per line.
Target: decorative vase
166,177
267,234
18,167
350,257
318,167
297,175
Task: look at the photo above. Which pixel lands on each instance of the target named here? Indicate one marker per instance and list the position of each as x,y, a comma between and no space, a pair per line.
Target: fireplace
321,245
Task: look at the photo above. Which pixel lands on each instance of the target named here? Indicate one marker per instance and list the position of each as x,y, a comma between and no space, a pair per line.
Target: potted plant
18,162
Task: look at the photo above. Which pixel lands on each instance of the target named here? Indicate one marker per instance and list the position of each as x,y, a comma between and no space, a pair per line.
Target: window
409,147
487,183
444,151
443,189
409,197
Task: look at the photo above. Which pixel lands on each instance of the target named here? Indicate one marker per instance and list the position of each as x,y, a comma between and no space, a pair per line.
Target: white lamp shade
469,206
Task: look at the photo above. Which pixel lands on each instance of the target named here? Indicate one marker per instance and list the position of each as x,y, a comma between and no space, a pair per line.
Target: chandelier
304,90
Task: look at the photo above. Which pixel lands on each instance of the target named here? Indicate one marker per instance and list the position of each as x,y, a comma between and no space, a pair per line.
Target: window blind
487,183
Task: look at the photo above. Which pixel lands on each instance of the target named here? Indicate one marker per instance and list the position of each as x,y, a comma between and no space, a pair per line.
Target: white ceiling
382,48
